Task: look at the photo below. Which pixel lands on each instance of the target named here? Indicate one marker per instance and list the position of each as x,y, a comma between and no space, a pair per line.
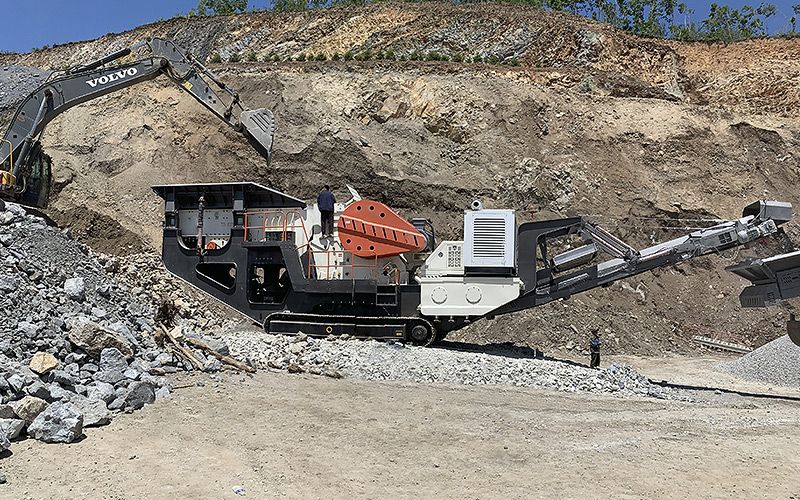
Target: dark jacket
594,344
325,200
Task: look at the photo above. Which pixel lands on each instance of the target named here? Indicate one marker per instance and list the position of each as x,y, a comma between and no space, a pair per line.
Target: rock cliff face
646,137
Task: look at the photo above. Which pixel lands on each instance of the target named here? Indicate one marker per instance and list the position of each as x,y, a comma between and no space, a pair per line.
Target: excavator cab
32,188
36,190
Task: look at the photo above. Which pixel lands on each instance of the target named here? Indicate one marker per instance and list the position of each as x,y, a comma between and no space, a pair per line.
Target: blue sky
33,23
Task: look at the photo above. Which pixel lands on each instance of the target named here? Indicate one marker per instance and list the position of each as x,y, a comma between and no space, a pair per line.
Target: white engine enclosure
465,295
489,238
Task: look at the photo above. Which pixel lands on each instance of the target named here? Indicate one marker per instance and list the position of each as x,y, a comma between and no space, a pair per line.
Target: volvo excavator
379,275
25,168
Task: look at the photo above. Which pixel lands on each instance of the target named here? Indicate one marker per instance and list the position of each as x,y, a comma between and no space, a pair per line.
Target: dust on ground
300,436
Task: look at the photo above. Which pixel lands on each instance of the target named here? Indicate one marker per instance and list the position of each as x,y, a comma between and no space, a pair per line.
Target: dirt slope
642,135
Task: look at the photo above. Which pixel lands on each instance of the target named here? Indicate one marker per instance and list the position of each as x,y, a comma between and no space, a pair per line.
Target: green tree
219,7
728,24
289,5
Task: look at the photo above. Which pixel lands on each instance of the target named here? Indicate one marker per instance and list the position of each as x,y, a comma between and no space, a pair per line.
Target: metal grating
489,238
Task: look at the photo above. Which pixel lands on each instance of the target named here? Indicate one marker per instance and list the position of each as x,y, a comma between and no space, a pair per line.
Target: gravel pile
16,82
371,360
76,345
777,362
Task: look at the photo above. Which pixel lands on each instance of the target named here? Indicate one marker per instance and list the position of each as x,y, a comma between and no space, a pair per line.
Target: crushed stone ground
372,360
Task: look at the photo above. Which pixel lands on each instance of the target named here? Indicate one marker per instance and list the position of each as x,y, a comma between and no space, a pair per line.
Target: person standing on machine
325,202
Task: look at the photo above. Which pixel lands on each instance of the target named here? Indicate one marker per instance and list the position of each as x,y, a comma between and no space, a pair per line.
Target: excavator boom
19,155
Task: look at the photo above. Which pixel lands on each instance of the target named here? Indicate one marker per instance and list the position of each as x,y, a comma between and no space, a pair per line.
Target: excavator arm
20,155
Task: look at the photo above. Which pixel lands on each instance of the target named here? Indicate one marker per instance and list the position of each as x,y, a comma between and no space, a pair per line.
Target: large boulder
59,423
43,362
93,338
29,407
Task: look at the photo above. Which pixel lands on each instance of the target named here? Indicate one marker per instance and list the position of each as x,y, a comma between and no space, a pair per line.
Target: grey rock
132,374
64,378
11,428
7,411
59,423
139,394
90,367
101,391
162,393
74,357
5,444
39,390
28,329
212,364
98,313
109,376
118,403
16,382
218,345
112,359
164,359
75,289
95,412
122,330
58,393
8,283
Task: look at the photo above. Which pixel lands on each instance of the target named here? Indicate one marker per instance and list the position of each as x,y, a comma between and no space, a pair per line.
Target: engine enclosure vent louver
489,238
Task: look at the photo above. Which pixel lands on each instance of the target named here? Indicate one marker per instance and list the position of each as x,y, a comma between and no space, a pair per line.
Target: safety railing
273,222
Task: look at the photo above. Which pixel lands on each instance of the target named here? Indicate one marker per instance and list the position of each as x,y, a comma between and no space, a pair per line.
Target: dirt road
299,436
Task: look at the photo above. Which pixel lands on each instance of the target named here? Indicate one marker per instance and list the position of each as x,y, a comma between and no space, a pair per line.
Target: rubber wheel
421,334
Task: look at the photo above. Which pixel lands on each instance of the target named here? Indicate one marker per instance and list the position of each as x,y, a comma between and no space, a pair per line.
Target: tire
421,333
